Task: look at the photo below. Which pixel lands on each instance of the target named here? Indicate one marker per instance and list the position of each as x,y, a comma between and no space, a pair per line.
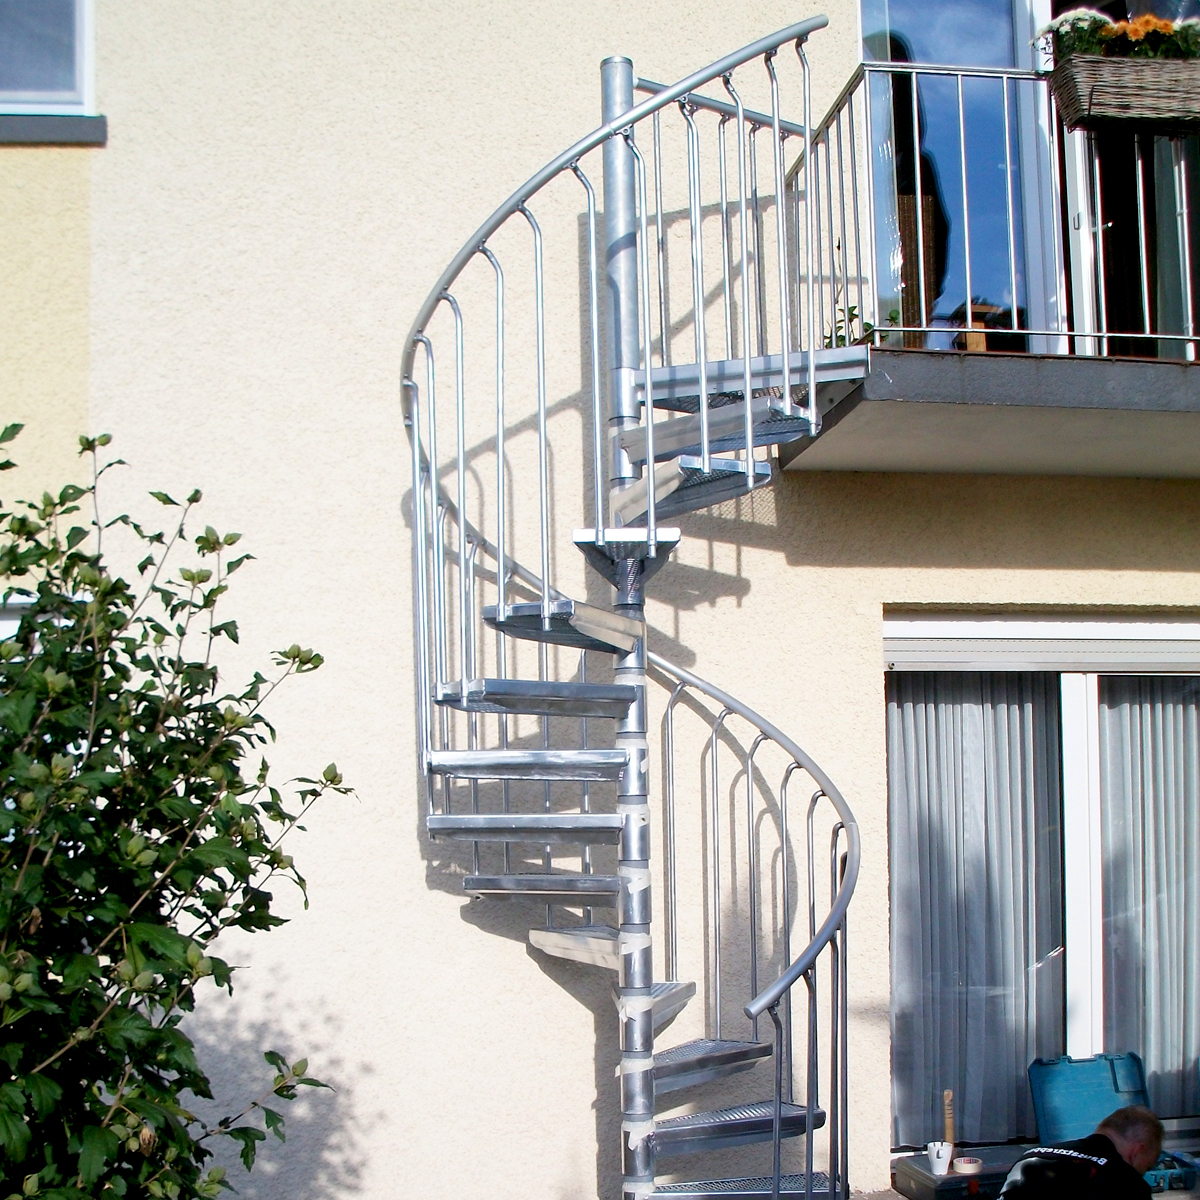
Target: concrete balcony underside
1012,414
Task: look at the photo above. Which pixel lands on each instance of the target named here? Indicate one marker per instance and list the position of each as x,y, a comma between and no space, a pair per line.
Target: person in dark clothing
1108,1165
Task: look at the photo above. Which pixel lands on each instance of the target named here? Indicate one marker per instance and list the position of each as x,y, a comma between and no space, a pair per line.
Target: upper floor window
45,56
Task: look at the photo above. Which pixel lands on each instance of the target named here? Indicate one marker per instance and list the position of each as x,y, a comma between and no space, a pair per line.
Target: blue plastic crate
1071,1096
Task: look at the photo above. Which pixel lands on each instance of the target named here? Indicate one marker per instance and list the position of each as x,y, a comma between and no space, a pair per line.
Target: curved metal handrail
837,910
563,161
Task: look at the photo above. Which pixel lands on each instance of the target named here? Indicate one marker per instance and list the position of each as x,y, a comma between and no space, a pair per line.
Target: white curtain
1150,792
976,898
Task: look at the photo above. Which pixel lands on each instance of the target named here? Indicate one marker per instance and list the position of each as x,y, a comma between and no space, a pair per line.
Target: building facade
973,599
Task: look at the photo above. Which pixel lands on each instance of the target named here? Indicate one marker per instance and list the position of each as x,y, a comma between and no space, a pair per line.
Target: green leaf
249,1139
274,1123
163,498
44,1093
75,535
10,431
14,1135
99,1145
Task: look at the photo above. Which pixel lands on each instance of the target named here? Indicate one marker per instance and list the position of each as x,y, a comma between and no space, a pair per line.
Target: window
45,57
1044,841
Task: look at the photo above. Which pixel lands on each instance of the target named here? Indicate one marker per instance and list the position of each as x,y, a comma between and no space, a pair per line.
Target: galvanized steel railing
883,179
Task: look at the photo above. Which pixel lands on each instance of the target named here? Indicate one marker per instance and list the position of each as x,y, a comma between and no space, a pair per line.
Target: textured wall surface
283,183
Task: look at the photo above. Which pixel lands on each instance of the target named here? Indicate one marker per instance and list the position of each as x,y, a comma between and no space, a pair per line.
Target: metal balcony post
635,1002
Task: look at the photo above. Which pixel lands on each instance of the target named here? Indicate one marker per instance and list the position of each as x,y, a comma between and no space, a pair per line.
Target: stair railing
799,879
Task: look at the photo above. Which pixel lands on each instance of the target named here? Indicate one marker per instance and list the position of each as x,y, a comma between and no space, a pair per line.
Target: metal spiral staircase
516,678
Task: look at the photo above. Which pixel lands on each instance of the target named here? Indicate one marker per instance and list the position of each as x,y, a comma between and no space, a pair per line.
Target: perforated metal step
529,764
667,999
703,1060
697,488
736,1126
575,828
570,623
565,889
545,697
792,1187
681,436
595,945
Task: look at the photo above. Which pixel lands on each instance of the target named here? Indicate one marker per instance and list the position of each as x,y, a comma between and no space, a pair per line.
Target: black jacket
1089,1169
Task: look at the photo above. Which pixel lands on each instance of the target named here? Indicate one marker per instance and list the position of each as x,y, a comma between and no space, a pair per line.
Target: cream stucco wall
45,246
283,183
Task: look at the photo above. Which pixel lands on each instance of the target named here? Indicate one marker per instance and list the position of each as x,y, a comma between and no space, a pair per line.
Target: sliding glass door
976,898
1045,888
1150,826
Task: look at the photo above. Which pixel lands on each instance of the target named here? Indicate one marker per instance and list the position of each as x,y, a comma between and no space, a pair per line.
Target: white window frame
1079,650
82,102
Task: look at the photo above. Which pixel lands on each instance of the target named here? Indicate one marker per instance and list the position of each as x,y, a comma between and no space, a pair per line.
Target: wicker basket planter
1091,91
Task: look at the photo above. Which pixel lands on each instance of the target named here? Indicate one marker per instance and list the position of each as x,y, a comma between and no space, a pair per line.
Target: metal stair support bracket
636,972
621,556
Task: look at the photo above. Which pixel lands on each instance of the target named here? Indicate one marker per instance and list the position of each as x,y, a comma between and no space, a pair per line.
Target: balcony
1027,293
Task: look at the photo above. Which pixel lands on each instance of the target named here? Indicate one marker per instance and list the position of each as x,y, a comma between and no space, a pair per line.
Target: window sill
45,129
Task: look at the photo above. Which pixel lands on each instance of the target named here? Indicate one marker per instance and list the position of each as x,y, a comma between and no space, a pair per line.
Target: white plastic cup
940,1154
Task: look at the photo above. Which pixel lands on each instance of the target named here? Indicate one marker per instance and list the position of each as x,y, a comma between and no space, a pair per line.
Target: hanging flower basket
1092,90
1146,69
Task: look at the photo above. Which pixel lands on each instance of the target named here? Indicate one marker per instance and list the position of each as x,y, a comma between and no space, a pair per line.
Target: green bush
136,824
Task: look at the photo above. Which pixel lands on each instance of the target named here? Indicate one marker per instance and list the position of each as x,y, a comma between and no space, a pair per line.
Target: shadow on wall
327,1135
853,519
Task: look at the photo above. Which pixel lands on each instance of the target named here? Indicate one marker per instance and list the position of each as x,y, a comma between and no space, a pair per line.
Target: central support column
634,1001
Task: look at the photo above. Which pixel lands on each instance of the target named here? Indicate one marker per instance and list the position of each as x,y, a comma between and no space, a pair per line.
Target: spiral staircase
535,706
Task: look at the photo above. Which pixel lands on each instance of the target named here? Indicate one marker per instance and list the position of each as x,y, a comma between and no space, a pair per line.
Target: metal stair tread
679,436
572,623
698,488
749,1188
734,1126
595,945
675,385
529,764
580,889
528,827
704,1059
550,697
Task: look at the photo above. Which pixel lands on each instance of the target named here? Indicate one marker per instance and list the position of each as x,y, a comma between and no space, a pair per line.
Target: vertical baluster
785,321
1098,235
760,285
1183,209
715,841
836,289
744,237
672,904
858,264
664,324
725,238
962,158
786,844
460,466
752,871
835,1114
472,717
695,221
598,463
648,408
877,316
586,804
1010,213
1139,167
814,413
845,255
919,199
420,587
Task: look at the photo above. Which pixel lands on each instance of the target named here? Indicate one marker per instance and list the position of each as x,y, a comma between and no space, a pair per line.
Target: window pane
967,33
1150,793
975,848
37,46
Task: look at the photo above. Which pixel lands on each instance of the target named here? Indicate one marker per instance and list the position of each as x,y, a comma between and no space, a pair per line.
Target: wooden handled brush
948,1113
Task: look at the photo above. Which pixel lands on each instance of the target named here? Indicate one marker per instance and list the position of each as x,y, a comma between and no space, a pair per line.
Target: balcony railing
952,211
